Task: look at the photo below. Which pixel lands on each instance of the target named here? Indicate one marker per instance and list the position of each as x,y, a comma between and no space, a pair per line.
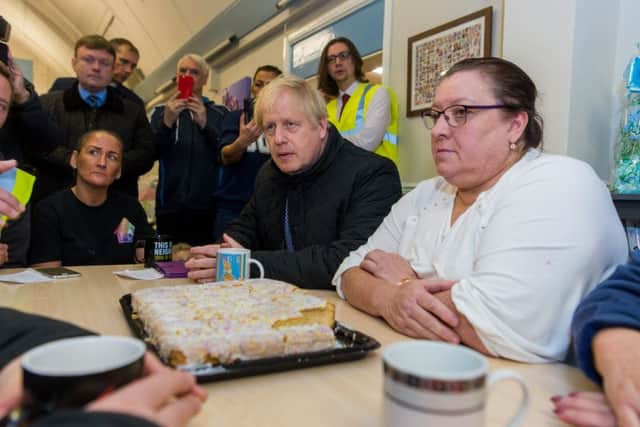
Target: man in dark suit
63,116
127,57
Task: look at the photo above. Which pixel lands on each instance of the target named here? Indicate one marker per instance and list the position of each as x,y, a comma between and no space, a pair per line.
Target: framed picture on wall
432,52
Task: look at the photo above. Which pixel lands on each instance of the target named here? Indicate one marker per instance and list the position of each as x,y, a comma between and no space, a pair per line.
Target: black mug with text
156,249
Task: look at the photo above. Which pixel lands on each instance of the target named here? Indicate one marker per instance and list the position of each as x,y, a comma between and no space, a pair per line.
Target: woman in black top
88,224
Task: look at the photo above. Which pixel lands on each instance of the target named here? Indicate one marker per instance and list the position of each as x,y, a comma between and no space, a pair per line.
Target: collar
73,101
101,95
331,149
350,89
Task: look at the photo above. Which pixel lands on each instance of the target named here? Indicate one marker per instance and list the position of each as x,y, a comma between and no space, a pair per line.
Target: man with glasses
91,103
127,57
365,113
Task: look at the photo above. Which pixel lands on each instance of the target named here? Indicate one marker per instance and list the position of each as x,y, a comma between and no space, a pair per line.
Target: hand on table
202,264
616,352
164,396
387,266
584,409
413,310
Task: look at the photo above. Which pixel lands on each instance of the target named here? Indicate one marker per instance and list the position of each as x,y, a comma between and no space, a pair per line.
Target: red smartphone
185,86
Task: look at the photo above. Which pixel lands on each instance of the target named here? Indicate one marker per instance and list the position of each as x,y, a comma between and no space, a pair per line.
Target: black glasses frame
430,116
344,55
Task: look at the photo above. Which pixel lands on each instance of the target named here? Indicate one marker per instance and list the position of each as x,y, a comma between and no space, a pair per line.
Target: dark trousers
194,228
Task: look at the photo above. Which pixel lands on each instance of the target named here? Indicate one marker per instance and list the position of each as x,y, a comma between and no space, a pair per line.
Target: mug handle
259,265
505,375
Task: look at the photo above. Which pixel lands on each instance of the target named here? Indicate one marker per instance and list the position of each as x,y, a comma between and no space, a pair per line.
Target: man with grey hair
318,198
186,131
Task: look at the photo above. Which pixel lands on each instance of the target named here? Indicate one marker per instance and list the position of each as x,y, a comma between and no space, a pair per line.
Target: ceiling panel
198,13
86,15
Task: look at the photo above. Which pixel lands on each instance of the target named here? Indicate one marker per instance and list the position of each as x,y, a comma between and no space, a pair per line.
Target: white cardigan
524,254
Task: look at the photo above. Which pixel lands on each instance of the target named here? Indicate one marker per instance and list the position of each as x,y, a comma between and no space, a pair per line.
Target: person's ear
518,124
324,127
73,161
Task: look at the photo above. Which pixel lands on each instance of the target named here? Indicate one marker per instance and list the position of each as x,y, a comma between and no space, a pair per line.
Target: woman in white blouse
497,251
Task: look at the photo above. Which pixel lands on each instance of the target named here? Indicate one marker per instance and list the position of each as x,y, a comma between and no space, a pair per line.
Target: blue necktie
93,101
288,240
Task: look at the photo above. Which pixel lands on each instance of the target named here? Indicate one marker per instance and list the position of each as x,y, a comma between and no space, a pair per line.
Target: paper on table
27,276
141,274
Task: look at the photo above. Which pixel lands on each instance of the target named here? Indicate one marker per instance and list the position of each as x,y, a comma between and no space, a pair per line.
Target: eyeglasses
90,60
331,59
456,115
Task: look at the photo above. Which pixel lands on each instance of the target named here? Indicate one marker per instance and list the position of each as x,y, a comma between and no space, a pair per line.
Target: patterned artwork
433,52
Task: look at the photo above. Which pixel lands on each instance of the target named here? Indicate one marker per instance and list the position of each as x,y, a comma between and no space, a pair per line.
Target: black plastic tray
351,345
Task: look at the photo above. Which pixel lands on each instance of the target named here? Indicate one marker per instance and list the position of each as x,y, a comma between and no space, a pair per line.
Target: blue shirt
101,95
614,303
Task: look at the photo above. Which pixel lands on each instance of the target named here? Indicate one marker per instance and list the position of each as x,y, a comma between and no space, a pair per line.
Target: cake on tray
225,322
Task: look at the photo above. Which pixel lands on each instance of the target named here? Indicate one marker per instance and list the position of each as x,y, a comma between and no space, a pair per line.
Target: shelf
628,206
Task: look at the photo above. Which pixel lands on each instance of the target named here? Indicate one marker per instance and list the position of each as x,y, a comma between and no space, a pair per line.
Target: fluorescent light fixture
219,48
283,4
377,70
165,86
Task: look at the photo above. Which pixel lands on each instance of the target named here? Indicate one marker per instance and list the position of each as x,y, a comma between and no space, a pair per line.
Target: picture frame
432,52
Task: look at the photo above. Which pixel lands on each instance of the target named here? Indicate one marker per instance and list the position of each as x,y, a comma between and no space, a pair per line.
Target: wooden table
345,394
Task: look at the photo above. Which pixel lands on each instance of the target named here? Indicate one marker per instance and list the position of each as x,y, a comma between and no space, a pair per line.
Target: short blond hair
199,60
307,99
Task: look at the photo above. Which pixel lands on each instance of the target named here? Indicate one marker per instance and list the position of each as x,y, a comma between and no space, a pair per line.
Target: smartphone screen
185,86
248,110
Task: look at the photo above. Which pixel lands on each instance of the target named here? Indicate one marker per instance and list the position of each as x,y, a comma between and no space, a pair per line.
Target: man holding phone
186,131
243,150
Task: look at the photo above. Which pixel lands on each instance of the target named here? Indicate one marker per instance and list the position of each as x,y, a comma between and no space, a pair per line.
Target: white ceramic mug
428,384
234,263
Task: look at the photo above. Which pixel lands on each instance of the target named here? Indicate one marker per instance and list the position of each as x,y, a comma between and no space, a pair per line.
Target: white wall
591,102
576,52
538,36
411,17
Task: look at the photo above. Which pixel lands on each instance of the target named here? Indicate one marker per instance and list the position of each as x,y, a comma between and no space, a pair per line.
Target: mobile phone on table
185,86
58,272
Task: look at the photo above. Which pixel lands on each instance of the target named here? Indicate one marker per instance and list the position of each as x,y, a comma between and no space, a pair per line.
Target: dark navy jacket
237,181
614,303
188,166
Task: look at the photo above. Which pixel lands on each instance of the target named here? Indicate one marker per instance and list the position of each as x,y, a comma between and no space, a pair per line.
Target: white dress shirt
376,121
523,255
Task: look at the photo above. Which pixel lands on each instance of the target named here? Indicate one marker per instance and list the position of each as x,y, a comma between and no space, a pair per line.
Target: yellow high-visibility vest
355,112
